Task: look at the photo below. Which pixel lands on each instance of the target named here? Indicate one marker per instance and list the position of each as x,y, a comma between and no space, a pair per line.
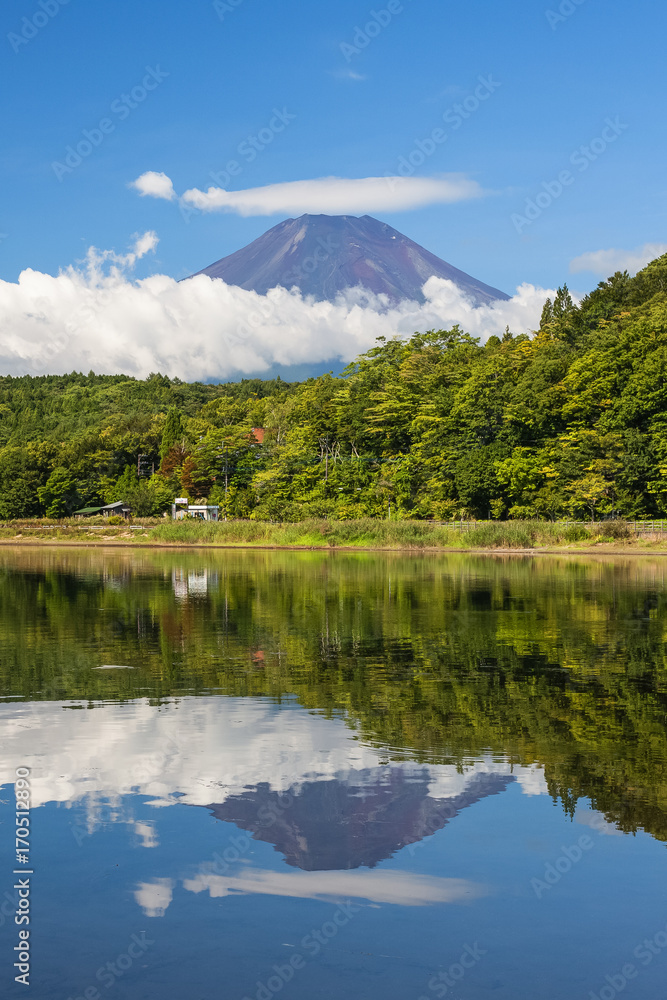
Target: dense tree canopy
570,421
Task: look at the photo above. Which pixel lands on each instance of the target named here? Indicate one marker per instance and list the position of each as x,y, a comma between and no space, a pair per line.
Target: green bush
616,529
574,533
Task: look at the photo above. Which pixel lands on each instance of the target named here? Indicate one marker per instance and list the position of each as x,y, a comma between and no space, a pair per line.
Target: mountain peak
325,255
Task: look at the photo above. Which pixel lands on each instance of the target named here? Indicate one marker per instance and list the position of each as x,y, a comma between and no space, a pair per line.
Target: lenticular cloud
98,317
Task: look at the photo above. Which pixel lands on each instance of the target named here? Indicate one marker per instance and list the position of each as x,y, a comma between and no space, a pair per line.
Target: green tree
173,431
547,314
590,493
124,486
59,496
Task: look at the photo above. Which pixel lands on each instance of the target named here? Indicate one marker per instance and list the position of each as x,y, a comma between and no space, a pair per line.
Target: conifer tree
173,431
547,314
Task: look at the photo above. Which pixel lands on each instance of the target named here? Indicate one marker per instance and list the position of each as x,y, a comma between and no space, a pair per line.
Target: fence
638,527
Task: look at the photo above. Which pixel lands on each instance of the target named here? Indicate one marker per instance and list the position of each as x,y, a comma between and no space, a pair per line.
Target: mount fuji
324,256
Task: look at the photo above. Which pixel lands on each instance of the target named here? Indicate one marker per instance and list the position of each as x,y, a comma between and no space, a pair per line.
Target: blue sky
355,115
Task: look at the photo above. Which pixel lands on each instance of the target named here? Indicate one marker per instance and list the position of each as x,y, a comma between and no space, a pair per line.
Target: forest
568,422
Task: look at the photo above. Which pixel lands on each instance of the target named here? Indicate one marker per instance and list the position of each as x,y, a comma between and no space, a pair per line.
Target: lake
331,775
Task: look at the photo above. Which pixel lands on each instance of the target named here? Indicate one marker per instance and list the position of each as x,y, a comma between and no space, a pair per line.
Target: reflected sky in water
326,790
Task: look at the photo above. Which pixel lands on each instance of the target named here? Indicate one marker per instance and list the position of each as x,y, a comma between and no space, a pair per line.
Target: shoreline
652,549
521,538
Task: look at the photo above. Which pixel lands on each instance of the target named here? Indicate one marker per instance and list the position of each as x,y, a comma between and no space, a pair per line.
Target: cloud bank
607,262
323,195
97,317
199,750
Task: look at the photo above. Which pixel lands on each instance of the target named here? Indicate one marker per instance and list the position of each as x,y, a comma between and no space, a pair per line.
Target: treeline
570,421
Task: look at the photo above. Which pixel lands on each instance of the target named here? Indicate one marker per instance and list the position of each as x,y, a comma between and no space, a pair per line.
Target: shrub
575,533
615,529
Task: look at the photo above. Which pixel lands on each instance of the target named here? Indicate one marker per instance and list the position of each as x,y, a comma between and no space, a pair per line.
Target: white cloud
376,885
199,750
143,245
147,833
97,317
96,259
323,195
154,897
532,780
597,822
607,262
155,184
349,74
337,196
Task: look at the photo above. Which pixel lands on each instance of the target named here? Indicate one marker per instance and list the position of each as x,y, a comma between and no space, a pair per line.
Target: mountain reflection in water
438,658
329,802
305,762
359,821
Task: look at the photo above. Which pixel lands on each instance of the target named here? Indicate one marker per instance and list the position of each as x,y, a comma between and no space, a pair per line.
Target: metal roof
116,505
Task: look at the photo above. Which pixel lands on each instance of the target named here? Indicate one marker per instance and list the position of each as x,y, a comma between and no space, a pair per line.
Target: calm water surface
335,775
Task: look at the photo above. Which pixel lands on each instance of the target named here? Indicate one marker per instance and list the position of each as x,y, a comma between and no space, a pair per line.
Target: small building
179,508
119,508
182,508
87,512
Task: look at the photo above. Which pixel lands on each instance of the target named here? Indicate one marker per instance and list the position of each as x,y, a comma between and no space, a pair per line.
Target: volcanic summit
324,255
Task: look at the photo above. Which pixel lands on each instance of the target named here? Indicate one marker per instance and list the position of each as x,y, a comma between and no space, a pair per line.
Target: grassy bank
366,533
